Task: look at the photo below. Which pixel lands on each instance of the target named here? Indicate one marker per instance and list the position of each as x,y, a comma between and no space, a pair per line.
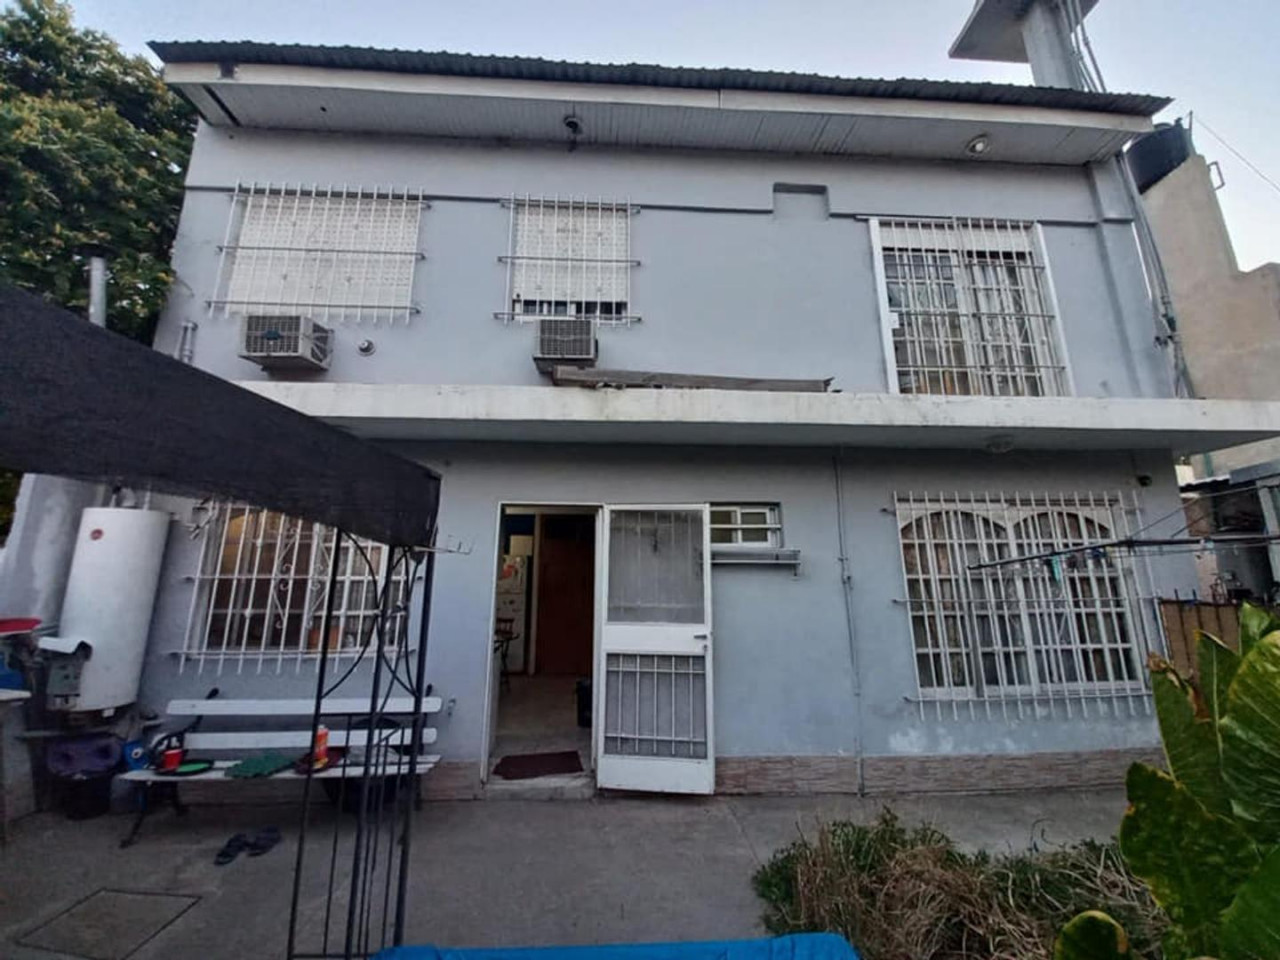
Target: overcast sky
1217,58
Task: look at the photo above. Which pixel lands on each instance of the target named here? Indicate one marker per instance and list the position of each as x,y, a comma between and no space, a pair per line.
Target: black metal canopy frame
78,401
364,911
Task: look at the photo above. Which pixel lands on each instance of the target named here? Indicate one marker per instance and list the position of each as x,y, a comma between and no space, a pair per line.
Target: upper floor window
570,258
1069,622
968,308
328,253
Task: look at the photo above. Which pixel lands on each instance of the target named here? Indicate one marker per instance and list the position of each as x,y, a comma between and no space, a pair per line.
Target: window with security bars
569,258
1069,622
753,525
968,308
262,587
328,253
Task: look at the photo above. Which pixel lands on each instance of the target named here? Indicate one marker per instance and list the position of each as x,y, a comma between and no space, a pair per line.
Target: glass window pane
655,567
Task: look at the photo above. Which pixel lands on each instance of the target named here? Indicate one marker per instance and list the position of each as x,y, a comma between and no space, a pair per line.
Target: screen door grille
655,705
655,567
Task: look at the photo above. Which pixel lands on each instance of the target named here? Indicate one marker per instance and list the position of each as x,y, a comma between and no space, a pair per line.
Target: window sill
1044,694
743,556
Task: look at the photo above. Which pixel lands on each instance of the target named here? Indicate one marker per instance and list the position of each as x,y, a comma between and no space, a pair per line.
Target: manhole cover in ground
109,925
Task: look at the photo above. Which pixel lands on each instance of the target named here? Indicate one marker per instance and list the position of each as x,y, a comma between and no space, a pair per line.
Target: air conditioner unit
286,343
565,341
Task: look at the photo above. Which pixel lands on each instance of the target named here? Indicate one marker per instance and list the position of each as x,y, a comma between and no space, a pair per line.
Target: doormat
109,924
526,766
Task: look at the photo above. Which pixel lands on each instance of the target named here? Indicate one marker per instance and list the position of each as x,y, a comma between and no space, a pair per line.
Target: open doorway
544,642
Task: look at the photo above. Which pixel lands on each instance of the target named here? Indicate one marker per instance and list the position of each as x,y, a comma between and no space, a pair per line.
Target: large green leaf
1092,935
1218,665
1192,860
1251,925
1255,623
1190,743
1251,739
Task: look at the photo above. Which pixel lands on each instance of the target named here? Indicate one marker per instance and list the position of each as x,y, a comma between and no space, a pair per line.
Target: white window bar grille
969,308
1069,633
262,584
569,258
655,705
330,253
754,525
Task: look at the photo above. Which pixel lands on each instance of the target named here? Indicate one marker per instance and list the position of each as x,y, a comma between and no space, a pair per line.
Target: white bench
347,732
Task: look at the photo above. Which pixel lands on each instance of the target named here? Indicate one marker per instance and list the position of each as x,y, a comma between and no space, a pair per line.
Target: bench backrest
343,710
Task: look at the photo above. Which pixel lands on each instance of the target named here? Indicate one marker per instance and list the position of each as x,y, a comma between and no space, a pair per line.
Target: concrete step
561,786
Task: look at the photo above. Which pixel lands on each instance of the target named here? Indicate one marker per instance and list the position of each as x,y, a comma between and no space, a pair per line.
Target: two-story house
811,420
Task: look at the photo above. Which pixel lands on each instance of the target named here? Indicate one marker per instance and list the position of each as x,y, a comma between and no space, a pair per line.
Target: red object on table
14,625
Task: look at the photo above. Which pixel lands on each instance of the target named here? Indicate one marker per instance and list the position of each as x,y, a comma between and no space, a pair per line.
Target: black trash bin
584,703
85,796
82,770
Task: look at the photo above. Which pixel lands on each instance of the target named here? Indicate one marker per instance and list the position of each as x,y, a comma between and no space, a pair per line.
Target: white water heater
96,661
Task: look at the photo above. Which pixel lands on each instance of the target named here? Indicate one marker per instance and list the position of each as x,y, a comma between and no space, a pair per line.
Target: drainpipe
186,352
1166,318
98,288
846,588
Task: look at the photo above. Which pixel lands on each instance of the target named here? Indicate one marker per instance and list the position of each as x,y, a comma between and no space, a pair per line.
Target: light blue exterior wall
785,681
727,285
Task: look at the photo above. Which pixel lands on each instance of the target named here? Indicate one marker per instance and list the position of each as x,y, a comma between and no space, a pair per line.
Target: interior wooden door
566,594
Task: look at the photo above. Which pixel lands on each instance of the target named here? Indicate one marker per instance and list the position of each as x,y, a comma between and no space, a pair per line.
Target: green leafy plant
1205,835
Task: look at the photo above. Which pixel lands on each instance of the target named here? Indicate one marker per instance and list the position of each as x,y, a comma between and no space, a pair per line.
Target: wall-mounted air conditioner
286,343
565,341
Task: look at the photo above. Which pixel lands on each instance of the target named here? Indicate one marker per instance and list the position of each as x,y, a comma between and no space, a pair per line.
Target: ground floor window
746,524
1013,597
262,588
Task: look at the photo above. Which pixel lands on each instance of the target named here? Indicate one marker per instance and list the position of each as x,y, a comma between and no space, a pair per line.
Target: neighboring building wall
785,685
1229,320
727,283
37,558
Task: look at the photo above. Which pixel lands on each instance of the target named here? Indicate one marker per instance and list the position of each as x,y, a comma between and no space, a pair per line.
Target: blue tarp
804,946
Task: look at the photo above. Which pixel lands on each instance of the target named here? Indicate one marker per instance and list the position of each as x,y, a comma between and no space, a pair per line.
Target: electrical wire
1239,156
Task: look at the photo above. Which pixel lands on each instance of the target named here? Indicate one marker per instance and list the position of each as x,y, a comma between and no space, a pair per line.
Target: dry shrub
909,894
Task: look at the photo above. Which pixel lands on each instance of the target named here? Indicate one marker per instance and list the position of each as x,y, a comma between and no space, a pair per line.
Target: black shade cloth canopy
82,402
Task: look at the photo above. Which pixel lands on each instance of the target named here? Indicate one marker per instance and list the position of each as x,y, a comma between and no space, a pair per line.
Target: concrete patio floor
485,873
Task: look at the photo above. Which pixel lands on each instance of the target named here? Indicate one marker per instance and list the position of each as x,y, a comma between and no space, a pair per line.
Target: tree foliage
93,148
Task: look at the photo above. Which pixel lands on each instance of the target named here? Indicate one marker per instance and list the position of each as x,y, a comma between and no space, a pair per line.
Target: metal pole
98,290
326,624
419,692
359,883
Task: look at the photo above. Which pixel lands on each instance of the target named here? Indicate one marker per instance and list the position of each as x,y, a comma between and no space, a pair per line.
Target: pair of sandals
256,845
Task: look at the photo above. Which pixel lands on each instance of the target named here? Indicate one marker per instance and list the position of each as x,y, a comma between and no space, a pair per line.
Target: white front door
654,727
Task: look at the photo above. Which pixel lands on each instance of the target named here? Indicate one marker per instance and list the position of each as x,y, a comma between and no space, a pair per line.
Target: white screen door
654,729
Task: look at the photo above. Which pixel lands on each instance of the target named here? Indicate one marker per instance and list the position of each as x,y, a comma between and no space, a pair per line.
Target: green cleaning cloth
263,766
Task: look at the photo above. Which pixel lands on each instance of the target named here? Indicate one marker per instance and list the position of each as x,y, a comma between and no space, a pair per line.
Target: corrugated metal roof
648,75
